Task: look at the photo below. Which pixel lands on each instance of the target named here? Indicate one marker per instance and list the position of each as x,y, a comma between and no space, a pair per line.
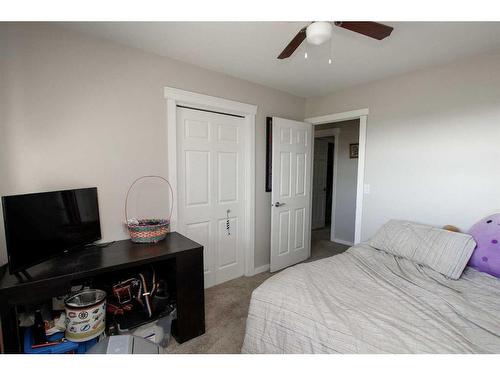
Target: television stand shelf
180,257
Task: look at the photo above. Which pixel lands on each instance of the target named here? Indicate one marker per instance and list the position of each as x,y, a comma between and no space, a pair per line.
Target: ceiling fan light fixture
318,32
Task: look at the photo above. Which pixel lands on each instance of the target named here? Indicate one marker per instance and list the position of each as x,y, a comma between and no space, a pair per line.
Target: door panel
299,224
300,188
211,189
286,174
200,232
284,232
197,129
197,178
228,134
290,226
228,177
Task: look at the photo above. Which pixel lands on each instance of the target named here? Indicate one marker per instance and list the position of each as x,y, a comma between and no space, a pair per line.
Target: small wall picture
353,150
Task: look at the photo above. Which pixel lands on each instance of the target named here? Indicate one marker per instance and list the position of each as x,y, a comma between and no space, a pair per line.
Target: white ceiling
248,50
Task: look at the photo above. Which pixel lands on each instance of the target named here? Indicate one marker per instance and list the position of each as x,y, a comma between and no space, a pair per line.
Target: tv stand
176,257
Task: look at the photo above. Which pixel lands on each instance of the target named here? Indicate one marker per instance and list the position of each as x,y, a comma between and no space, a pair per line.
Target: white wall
347,177
433,143
79,111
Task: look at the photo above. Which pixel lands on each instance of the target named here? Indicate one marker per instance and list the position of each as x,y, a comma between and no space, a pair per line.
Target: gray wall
345,197
433,146
81,111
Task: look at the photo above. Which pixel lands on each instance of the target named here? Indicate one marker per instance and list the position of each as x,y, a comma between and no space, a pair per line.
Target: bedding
443,251
370,301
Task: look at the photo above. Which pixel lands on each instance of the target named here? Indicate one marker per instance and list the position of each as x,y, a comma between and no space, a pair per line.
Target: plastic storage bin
60,348
157,331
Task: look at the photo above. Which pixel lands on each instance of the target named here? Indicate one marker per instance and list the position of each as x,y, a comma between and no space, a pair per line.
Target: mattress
369,301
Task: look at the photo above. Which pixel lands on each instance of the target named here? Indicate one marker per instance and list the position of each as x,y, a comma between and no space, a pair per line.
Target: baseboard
342,242
261,269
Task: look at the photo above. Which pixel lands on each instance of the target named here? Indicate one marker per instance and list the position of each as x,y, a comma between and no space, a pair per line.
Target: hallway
322,247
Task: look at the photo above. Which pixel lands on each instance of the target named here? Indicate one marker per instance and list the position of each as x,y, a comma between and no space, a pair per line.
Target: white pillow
444,251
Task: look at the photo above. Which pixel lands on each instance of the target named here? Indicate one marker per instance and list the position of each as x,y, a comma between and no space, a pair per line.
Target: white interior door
320,163
291,193
210,168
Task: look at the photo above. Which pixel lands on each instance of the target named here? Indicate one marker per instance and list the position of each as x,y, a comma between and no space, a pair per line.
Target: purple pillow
486,256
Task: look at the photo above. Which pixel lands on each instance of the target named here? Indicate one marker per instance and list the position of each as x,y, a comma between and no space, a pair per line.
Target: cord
103,245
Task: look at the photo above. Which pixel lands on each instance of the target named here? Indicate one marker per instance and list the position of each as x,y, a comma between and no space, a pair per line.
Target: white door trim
175,97
362,115
335,133
336,117
326,133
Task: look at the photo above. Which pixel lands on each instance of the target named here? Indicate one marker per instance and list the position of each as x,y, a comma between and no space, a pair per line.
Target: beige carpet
226,306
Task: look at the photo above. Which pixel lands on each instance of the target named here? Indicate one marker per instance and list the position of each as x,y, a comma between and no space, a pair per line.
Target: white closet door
291,193
211,191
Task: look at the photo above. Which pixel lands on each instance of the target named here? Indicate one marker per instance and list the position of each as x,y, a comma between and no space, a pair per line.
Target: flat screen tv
43,225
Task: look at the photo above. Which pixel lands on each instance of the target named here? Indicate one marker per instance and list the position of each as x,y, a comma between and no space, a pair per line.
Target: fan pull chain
228,227
331,49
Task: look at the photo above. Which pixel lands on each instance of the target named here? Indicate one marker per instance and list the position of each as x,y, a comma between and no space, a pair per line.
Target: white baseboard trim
261,269
342,242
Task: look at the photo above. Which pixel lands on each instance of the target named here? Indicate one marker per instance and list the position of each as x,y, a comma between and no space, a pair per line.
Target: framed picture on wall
353,150
269,154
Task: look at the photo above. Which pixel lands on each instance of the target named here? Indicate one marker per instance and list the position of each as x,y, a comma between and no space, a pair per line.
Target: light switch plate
366,189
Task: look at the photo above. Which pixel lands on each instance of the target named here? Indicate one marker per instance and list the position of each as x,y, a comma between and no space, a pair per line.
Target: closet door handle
278,204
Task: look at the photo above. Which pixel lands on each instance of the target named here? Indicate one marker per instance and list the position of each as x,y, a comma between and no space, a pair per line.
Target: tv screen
40,226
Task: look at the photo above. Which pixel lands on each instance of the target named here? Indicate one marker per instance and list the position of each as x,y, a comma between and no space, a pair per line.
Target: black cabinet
177,257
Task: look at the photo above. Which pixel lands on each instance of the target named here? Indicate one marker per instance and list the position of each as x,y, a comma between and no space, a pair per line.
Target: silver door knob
278,204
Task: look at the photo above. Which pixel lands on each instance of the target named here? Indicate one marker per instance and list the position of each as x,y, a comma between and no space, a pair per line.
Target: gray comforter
368,301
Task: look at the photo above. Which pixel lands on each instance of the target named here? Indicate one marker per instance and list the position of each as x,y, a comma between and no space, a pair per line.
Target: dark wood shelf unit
177,257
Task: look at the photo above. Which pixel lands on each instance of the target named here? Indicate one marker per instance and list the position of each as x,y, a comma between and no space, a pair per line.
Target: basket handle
142,178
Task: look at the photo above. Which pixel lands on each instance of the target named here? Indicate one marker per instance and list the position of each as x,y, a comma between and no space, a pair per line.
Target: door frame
362,115
175,97
335,133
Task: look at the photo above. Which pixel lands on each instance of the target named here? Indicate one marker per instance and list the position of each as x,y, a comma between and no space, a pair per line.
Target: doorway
361,188
292,184
335,169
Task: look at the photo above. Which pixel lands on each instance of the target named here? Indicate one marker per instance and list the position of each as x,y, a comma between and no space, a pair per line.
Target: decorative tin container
85,315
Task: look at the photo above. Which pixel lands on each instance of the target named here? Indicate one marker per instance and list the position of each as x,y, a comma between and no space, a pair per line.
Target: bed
369,300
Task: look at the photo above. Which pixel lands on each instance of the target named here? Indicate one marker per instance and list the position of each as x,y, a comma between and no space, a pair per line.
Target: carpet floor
226,306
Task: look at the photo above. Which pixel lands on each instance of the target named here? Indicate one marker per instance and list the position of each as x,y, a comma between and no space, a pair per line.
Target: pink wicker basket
149,230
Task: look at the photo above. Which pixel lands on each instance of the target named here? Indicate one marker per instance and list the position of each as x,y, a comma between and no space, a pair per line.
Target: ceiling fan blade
372,29
294,44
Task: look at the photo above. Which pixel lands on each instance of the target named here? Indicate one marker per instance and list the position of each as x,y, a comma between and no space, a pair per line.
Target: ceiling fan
319,32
